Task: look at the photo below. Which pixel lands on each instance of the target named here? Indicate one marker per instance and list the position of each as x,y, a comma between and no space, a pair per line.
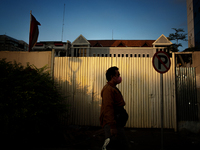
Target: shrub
30,101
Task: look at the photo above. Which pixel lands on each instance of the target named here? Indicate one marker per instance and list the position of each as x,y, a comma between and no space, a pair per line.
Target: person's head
112,74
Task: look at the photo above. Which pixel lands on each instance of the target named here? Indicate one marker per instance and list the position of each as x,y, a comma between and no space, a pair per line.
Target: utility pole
63,23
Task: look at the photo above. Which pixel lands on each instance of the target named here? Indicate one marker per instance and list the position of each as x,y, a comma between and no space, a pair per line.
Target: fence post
52,62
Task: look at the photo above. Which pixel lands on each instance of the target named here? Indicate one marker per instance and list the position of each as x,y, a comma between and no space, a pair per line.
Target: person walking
113,116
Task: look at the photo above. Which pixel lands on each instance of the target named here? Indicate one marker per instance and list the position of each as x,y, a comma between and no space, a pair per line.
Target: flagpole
29,31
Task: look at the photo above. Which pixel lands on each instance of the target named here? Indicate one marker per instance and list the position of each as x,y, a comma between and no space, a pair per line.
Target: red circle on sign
156,56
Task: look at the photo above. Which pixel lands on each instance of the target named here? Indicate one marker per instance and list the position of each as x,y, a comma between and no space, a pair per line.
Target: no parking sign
161,62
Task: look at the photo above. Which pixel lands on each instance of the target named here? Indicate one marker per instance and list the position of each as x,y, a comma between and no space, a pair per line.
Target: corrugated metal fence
82,79
187,109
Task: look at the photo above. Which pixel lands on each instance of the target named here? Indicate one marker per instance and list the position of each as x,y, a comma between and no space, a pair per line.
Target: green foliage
30,101
178,35
173,48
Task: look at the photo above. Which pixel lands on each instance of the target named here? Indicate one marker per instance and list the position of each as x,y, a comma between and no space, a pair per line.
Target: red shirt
111,97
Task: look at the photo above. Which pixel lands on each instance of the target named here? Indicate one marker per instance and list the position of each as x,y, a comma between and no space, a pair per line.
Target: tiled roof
121,43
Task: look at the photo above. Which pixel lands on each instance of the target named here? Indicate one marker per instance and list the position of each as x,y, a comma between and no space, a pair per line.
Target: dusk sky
94,19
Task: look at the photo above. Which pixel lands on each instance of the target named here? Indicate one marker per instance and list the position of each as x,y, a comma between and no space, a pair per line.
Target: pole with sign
161,63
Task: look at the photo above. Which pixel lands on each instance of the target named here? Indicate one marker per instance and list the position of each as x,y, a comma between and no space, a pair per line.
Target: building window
143,55
118,55
138,55
94,55
122,55
147,55
62,54
131,55
78,52
114,55
106,55
81,52
74,52
85,51
102,55
156,50
126,55
135,55
110,55
98,55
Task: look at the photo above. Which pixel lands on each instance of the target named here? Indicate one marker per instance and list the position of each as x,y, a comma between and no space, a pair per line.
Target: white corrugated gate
82,79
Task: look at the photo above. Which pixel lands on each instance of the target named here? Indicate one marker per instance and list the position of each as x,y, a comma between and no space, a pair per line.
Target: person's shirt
111,98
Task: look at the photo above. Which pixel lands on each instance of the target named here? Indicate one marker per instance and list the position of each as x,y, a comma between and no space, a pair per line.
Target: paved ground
92,138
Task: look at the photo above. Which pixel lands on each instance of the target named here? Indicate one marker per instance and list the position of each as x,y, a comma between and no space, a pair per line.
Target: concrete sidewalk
88,138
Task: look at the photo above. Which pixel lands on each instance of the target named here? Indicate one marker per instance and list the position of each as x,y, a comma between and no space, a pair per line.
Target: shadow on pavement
92,138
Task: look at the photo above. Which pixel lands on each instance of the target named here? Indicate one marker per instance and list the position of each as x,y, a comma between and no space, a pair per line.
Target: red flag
34,32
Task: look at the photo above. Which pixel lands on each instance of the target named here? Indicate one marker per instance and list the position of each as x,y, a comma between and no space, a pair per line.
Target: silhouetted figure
113,116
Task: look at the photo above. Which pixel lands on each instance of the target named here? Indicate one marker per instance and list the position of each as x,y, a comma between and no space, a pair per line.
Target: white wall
39,59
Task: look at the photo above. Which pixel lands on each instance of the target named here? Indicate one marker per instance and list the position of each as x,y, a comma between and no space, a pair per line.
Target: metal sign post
161,63
161,107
